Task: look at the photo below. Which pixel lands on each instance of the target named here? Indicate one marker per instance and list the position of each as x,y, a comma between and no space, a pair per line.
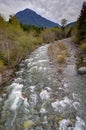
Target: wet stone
82,70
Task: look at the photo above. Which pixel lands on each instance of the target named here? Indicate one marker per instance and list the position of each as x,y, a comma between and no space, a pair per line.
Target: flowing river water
37,99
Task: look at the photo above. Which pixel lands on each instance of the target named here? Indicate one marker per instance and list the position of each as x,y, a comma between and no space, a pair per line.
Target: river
37,99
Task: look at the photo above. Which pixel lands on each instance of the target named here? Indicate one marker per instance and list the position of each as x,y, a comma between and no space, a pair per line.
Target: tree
14,21
63,23
81,24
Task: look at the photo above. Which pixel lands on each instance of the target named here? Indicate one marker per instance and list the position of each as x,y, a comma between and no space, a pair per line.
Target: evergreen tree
81,24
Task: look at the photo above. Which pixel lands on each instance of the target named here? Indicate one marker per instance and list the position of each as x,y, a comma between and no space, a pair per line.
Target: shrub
83,45
1,63
58,52
60,58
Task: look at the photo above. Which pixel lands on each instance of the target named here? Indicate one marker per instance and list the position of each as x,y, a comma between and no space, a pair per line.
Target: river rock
65,124
82,70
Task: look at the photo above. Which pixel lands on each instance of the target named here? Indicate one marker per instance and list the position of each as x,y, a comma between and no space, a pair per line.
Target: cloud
54,10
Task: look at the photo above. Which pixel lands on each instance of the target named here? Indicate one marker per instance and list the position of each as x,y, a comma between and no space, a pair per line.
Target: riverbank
68,53
8,73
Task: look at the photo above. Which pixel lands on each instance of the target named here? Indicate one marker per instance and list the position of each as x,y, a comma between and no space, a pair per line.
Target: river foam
66,124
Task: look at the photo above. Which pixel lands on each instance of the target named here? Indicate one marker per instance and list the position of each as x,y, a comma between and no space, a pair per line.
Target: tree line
79,31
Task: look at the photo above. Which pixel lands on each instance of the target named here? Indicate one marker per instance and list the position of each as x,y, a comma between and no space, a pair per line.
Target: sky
54,10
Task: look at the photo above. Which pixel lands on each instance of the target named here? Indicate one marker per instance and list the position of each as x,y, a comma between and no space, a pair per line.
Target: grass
61,58
1,63
83,45
58,52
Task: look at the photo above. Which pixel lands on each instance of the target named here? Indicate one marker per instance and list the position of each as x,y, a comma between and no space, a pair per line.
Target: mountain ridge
71,24
28,16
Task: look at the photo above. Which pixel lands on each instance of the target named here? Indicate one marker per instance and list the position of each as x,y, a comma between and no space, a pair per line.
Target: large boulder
82,70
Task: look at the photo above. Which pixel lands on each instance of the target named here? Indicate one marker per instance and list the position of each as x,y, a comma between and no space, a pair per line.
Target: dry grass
61,58
83,45
58,52
1,63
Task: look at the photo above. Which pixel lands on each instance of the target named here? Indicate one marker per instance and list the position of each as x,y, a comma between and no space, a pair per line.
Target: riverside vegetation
15,44
79,30
58,51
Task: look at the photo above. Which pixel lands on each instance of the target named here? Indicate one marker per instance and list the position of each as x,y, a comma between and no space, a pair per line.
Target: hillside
28,16
71,24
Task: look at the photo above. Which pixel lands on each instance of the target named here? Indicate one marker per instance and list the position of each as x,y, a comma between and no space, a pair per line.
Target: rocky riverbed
74,55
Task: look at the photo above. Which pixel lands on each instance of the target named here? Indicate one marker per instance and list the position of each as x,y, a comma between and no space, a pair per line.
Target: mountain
71,24
28,16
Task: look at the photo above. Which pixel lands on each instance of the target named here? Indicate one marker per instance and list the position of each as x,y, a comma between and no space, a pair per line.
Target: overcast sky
54,10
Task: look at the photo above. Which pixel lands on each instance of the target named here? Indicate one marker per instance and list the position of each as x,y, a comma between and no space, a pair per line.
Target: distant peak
28,16
28,10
